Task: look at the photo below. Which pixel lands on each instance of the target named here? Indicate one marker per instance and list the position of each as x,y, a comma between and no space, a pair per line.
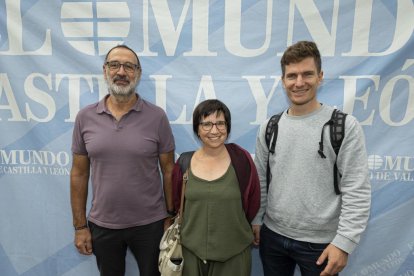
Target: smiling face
216,136
301,81
121,82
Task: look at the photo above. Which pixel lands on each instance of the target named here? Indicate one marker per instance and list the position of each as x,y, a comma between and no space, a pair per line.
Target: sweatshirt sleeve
355,187
260,160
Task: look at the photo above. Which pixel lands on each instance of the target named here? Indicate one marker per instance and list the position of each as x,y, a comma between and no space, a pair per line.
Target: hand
83,241
256,234
167,222
337,260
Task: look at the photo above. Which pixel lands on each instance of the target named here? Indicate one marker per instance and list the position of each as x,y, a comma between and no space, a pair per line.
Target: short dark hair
124,47
298,52
207,108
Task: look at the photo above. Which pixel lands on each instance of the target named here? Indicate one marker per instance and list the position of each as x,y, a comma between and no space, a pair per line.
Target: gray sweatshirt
301,202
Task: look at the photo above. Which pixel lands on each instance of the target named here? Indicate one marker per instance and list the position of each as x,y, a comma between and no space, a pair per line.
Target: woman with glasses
222,197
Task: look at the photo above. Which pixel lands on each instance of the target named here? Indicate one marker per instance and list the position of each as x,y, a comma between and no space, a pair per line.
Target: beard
121,91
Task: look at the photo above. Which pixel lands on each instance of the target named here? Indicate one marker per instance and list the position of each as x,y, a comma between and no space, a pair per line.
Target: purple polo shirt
126,181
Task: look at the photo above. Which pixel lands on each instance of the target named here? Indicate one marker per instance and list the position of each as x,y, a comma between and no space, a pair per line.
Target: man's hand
256,234
337,260
167,222
83,241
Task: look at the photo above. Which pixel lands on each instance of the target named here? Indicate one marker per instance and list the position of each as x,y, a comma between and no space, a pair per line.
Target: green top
214,225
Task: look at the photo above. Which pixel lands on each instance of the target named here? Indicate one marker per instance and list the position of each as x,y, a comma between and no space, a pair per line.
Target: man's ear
104,71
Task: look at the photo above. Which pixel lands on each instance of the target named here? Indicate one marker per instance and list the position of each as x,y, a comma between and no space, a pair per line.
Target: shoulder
350,120
186,154
184,160
88,110
265,124
352,125
236,150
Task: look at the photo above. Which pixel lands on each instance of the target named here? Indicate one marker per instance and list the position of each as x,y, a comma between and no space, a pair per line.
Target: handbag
171,261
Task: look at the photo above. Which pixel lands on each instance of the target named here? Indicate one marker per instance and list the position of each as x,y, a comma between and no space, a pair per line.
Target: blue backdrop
51,56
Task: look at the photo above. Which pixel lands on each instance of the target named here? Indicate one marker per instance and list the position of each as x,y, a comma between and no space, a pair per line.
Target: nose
214,129
299,80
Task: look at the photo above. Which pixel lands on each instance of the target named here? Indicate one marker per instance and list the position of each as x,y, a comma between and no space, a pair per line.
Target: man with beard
119,143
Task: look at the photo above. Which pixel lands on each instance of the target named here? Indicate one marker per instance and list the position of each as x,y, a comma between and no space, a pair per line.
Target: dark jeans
110,248
280,255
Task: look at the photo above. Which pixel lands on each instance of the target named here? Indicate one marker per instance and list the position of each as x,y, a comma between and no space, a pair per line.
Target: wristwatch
172,213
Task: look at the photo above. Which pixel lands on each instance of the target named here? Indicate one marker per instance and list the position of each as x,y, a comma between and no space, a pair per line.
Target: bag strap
337,133
271,137
184,160
185,179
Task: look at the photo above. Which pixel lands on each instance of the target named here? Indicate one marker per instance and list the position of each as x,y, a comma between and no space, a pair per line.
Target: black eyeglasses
207,126
128,66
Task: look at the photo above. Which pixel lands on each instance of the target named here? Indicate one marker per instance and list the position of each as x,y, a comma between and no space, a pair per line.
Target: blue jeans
280,254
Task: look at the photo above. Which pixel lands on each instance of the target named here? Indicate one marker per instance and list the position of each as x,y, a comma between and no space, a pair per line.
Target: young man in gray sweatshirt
302,221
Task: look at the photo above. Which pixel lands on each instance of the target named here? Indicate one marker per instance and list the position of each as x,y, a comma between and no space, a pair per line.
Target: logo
23,162
93,27
391,168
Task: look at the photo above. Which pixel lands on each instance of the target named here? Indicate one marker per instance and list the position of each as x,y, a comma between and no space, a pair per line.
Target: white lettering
163,18
386,99
15,33
260,96
206,88
32,157
393,164
200,30
161,90
404,27
233,30
12,104
74,90
315,24
40,97
350,86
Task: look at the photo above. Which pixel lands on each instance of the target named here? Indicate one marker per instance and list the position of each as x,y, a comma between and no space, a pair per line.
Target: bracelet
80,227
172,213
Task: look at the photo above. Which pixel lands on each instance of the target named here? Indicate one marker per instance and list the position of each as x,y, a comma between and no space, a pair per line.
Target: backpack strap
337,134
337,129
184,160
271,137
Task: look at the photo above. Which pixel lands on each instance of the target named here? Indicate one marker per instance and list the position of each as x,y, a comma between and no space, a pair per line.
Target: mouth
121,81
300,91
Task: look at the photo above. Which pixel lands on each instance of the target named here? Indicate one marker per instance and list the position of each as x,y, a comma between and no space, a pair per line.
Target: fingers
256,234
83,241
337,260
168,222
88,248
84,248
322,257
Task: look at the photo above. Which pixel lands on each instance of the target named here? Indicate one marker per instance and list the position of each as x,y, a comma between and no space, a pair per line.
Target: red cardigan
246,174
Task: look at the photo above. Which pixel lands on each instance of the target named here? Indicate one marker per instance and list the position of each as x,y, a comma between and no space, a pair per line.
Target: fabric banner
51,57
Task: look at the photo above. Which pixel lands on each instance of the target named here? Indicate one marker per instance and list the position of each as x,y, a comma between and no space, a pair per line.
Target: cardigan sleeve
177,181
248,179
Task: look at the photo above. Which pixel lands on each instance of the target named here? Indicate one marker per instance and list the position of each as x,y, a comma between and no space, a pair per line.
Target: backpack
337,133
